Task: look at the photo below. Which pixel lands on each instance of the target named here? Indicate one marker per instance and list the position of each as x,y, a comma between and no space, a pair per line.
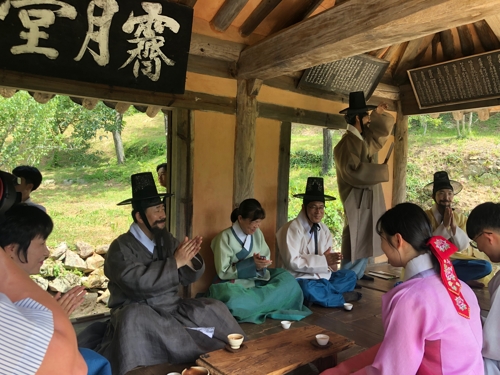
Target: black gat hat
357,104
442,181
315,191
144,192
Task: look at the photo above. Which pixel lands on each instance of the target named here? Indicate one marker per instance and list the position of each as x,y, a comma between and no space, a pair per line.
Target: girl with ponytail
431,320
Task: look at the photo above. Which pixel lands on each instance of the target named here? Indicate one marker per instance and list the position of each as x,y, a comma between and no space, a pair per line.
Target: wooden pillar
400,157
181,167
168,123
244,144
283,180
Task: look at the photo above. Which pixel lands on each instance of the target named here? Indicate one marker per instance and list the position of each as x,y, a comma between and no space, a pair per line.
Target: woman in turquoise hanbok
250,289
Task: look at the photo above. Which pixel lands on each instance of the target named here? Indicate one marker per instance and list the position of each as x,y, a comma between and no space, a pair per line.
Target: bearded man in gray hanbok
150,323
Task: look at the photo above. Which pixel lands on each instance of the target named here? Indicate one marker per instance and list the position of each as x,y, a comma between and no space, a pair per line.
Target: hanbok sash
442,250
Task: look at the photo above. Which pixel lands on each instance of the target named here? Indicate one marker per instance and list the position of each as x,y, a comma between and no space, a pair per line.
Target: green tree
30,131
25,130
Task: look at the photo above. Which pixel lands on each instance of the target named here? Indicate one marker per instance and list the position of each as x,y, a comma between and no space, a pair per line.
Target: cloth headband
442,250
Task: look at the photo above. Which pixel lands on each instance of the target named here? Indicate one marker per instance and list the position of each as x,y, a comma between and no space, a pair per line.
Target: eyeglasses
316,208
473,243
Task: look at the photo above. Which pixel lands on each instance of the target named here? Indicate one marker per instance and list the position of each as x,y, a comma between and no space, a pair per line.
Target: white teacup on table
286,324
322,339
348,306
235,340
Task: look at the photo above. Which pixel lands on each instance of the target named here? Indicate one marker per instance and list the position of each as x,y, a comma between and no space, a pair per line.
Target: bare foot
475,284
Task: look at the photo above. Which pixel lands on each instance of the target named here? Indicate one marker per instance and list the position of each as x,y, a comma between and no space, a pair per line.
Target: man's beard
444,204
363,127
155,229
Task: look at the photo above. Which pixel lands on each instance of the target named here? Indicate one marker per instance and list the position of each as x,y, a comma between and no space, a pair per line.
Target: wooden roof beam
466,42
258,15
325,37
206,46
448,44
226,14
488,39
414,52
493,22
394,55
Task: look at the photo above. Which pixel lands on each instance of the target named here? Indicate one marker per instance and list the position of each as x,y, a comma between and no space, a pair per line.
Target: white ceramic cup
174,373
286,324
348,306
322,339
235,340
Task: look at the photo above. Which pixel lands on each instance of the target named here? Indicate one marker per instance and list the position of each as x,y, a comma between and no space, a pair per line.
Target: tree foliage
30,131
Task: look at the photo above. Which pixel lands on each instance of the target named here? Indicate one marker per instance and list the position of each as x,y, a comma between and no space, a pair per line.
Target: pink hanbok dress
424,334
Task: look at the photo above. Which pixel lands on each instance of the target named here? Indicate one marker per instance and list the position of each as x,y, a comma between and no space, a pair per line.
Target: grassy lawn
82,199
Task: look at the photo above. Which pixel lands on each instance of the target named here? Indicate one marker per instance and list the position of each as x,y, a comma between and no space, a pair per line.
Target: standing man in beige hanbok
359,177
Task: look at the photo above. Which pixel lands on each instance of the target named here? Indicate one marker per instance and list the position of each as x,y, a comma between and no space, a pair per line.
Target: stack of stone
61,272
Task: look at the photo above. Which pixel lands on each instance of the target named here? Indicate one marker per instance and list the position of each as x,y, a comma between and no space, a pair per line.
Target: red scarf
442,249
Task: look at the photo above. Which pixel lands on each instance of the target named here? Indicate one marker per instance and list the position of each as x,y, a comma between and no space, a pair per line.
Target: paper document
383,275
208,331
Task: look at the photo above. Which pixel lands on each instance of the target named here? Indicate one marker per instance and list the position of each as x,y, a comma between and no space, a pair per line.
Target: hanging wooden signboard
133,44
357,73
463,80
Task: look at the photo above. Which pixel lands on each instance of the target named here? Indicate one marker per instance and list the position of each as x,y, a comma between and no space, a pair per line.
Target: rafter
488,39
258,15
42,97
414,52
325,37
466,42
394,55
448,44
226,14
7,92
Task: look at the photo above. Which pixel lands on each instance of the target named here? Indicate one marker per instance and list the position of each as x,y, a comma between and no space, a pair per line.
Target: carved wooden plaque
462,80
132,44
357,73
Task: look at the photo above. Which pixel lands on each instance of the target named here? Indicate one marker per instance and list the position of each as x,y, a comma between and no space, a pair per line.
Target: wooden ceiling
273,41
280,38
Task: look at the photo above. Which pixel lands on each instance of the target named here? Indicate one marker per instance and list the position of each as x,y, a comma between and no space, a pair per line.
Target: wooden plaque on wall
132,44
462,80
357,73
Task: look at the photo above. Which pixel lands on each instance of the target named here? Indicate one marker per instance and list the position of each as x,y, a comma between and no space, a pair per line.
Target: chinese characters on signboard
357,73
463,80
142,45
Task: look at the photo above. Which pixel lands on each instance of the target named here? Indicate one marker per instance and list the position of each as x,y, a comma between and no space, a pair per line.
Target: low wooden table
277,354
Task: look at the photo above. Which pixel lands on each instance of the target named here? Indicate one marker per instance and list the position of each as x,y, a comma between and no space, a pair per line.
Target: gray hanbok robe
148,318
358,179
